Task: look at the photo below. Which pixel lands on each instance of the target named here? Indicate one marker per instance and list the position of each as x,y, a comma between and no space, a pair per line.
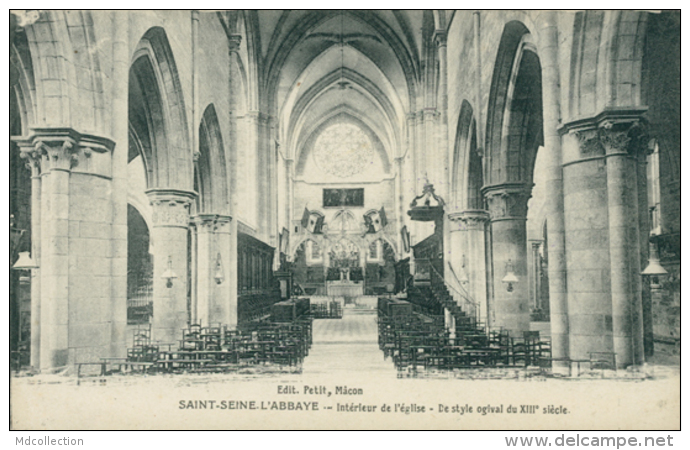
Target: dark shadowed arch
467,164
157,114
514,128
213,186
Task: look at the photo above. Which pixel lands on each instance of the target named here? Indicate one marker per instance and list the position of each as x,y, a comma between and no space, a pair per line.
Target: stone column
202,278
428,147
232,157
120,132
553,182
272,147
213,277
479,118
475,222
57,161
442,165
456,256
603,235
419,151
586,245
508,211
399,202
193,301
535,272
413,175
73,228
169,236
234,132
624,241
290,170
467,240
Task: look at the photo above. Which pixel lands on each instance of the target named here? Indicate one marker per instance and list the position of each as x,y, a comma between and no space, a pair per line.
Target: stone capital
429,113
614,131
440,37
259,117
627,137
234,41
32,155
210,223
472,219
507,201
589,143
66,149
536,243
170,207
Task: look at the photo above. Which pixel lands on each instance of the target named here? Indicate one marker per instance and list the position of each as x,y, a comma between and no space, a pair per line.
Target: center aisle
347,346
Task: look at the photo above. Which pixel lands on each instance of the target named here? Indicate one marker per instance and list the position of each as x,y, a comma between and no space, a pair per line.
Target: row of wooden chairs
416,340
330,310
217,348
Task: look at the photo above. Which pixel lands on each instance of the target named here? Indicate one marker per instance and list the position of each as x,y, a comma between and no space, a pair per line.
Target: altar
344,288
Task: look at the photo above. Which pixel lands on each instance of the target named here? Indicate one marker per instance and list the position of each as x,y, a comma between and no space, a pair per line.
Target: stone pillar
227,233
508,211
553,182
442,165
603,235
260,145
624,242
234,136
263,176
399,202
419,153
256,193
193,301
290,169
120,132
413,176
272,148
586,246
479,118
169,236
467,240
535,272
195,85
429,147
203,263
475,222
73,228
54,255
213,278
456,256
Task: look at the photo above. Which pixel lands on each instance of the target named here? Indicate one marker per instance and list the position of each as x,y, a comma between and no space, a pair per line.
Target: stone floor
348,346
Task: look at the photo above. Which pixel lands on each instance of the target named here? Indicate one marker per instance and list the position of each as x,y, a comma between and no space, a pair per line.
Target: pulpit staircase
466,324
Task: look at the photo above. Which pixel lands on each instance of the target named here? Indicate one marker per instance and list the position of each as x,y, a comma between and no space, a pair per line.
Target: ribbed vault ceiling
325,64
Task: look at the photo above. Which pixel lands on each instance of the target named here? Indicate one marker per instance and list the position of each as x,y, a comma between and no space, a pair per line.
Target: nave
347,347
511,170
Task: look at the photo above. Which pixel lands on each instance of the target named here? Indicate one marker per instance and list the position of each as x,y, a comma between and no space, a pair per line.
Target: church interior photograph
413,193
